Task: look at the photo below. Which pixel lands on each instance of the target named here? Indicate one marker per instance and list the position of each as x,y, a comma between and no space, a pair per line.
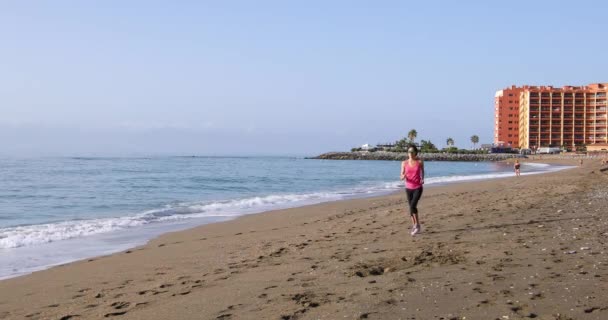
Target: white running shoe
414,231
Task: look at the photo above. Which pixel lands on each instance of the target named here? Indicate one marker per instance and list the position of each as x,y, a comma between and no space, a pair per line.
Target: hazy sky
277,77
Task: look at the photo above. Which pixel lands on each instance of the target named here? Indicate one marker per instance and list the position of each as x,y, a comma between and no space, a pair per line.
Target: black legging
413,195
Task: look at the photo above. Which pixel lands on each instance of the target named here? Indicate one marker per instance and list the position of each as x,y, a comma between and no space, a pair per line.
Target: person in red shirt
412,172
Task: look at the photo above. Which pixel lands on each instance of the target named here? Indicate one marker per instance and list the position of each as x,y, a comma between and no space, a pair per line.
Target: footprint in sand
120,305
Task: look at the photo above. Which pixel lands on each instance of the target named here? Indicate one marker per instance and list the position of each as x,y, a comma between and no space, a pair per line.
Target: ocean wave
14,237
448,179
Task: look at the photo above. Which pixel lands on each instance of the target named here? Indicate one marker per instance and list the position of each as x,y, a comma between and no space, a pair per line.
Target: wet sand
513,248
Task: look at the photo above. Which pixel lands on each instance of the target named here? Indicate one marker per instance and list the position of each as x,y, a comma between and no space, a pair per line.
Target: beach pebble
570,252
585,248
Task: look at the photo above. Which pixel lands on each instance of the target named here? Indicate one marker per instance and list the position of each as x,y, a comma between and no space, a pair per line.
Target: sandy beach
513,248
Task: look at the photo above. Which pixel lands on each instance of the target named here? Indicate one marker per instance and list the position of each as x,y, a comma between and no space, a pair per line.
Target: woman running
412,171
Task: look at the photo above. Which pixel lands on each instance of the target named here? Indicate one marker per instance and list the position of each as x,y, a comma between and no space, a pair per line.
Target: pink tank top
413,178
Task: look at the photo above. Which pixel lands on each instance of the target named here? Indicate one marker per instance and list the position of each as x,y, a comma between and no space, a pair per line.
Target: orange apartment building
506,116
552,117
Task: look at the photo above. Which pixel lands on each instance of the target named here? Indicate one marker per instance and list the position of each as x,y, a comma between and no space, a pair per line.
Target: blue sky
276,77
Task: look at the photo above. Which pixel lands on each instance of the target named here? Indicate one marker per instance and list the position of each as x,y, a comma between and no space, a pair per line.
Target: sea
57,210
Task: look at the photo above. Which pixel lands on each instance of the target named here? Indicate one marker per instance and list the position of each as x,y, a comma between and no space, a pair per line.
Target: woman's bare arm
421,171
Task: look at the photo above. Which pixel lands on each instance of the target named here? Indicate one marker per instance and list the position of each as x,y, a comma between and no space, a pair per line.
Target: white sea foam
14,237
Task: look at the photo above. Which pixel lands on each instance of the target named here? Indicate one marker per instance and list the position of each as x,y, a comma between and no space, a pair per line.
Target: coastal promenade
514,248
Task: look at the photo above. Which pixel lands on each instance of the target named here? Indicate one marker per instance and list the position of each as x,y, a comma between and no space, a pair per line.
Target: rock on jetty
396,156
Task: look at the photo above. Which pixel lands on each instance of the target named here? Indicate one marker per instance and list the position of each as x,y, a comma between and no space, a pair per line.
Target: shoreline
340,259
178,226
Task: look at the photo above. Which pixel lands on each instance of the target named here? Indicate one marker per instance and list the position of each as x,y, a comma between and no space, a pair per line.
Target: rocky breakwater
395,156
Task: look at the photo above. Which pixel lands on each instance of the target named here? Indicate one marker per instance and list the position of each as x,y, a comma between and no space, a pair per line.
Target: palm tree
450,142
412,135
475,140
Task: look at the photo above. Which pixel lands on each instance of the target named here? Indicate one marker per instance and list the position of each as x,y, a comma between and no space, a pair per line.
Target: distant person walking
516,166
412,171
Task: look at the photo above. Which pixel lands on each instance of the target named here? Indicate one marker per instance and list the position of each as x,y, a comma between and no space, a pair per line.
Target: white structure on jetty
366,147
